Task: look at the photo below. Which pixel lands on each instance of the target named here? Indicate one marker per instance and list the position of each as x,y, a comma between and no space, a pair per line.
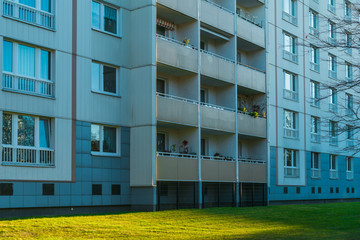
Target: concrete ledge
312,201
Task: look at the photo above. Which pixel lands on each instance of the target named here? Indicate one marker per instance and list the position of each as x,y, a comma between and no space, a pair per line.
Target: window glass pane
109,144
95,138
109,79
30,3
26,61
160,143
46,5
95,76
7,56
96,15
44,133
45,65
26,130
110,19
7,129
160,86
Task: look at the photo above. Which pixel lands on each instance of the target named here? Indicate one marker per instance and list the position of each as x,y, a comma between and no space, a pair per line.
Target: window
160,142
337,189
116,189
333,167
298,190
37,12
348,72
331,33
289,12
314,25
6,189
285,190
315,129
290,91
347,11
331,6
105,18
160,87
331,190
204,45
26,140
348,39
349,136
105,140
319,189
349,104
333,132
290,124
315,165
204,147
290,48
332,100
349,168
27,69
315,94
312,190
290,163
314,59
332,66
104,78
48,189
203,95
96,189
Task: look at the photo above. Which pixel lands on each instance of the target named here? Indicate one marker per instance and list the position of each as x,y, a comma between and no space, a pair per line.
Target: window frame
101,141
313,22
293,130
101,79
294,166
333,159
289,11
291,55
348,71
292,93
349,168
102,21
312,165
315,93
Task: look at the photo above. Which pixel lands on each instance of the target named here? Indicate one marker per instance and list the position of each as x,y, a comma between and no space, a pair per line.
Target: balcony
217,16
289,18
27,85
293,57
176,54
186,7
27,156
315,173
217,170
217,117
252,171
349,175
28,14
291,95
334,174
175,166
251,30
291,172
218,67
315,67
176,110
251,78
251,126
315,137
291,133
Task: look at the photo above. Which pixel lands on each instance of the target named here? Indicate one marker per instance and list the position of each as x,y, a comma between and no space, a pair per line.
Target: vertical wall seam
73,90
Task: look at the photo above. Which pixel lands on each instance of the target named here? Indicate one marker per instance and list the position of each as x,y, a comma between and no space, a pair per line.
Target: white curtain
26,61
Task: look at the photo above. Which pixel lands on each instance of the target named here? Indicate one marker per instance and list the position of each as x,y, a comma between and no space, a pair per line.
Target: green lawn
327,221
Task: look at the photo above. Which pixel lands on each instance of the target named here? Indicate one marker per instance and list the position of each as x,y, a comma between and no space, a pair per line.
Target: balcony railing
314,66
313,31
289,18
349,143
250,18
217,158
315,137
349,175
176,41
250,67
315,173
333,141
176,98
293,57
176,155
333,107
28,156
291,172
217,107
291,133
333,174
28,14
218,56
331,8
289,94
218,6
315,102
252,161
27,85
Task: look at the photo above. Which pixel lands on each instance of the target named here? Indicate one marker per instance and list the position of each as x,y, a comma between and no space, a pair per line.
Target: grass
326,221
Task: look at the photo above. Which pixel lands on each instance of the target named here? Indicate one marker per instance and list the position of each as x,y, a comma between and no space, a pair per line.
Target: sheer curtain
26,61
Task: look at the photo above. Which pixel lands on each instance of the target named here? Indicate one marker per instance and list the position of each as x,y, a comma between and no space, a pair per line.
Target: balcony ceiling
162,68
250,3
247,46
213,82
172,15
248,91
215,132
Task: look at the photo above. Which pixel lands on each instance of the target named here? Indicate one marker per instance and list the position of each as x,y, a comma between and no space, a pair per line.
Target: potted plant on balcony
184,148
264,114
254,114
186,41
243,110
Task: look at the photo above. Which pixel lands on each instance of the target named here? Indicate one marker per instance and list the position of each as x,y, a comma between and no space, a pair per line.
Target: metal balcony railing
28,14
176,155
333,141
291,172
293,57
315,173
349,175
291,133
289,94
176,41
313,31
31,156
28,85
176,98
217,158
314,66
315,137
250,18
333,174
315,102
289,18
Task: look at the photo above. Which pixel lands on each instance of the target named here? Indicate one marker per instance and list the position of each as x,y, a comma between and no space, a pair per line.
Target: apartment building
132,104
308,160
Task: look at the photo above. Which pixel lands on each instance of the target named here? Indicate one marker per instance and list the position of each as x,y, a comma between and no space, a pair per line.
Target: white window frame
332,66
348,39
14,139
332,6
294,167
315,172
291,91
333,169
101,79
314,58
348,72
291,49
333,132
102,13
349,168
313,23
290,11
315,130
315,93
292,131
101,137
347,11
331,32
